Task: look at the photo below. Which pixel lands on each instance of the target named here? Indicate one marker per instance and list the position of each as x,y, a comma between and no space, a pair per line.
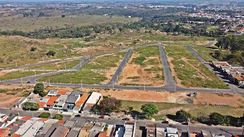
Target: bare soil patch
134,74
7,101
145,96
234,100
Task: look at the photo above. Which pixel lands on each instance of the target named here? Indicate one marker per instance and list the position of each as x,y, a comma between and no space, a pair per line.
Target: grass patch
19,74
58,66
191,72
92,73
194,110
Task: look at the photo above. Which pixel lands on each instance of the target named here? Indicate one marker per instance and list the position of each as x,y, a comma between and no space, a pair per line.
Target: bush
44,115
149,110
217,119
107,105
183,116
58,116
30,106
51,53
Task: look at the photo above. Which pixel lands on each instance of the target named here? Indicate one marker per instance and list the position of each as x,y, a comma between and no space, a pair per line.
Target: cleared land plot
9,94
27,24
189,72
17,74
206,51
144,68
100,70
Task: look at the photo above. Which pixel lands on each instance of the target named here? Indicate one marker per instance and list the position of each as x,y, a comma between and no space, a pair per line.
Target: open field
28,24
17,74
100,70
57,66
144,68
10,57
194,110
188,71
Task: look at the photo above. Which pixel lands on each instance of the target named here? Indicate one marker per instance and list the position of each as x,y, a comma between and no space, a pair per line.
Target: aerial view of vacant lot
188,71
100,70
144,68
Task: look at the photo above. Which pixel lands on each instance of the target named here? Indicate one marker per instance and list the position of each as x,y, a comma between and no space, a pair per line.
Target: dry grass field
28,24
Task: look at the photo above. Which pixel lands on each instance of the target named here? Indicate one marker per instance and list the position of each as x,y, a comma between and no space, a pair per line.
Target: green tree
30,106
58,116
183,116
44,115
149,110
107,105
39,89
217,119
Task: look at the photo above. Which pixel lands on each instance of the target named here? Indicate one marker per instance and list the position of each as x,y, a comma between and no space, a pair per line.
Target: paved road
169,83
83,61
121,67
227,131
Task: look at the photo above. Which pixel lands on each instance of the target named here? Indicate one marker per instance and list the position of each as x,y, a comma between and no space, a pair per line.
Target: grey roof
73,97
73,133
51,130
61,131
69,124
80,123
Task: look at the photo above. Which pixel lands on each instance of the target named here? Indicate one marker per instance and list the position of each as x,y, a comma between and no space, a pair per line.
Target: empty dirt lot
144,68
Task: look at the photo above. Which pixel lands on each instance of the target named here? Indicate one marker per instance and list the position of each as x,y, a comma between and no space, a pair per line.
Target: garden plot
144,68
189,72
100,70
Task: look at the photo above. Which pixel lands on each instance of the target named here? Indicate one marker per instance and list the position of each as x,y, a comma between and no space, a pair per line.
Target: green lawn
19,74
92,73
191,72
28,24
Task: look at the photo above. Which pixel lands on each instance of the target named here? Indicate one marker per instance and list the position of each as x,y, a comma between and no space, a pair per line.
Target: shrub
183,116
44,115
217,119
58,116
149,110
30,106
51,53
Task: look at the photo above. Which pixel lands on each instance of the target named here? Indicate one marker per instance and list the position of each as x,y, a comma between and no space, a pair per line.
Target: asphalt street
121,67
169,82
